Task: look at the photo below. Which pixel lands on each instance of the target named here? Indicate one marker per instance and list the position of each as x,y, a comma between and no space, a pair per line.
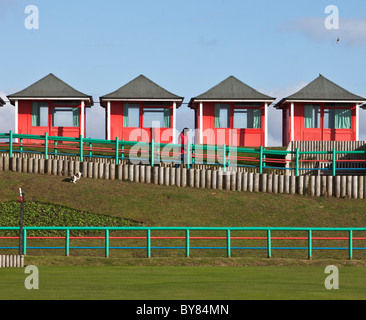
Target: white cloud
185,118
351,32
275,116
95,122
6,115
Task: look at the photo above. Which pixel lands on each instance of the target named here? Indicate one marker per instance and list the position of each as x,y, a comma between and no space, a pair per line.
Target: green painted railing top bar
187,236
154,153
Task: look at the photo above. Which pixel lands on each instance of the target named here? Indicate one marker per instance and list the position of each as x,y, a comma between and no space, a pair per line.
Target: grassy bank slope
172,206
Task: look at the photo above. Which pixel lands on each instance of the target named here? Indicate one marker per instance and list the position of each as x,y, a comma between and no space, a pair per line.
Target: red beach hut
321,111
141,110
50,106
231,113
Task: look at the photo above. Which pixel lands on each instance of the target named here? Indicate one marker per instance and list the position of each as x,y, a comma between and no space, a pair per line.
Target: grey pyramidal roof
323,89
50,87
141,88
232,89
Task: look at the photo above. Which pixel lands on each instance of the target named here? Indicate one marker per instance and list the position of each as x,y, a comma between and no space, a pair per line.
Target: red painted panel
320,134
25,123
24,117
228,136
163,135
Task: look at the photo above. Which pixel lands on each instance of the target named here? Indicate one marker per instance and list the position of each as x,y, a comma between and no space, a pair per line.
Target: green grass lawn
183,283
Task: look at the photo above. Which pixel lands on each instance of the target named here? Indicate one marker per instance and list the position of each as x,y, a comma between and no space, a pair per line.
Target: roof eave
197,100
89,99
285,100
103,100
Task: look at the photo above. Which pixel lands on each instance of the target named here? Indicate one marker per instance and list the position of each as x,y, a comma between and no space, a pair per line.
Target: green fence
229,237
154,153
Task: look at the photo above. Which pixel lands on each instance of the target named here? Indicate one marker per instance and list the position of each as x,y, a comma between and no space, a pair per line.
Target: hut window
222,115
247,118
40,114
131,115
337,119
312,116
157,118
65,117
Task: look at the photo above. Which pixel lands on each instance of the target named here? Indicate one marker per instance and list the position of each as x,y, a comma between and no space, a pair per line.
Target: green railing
153,153
229,237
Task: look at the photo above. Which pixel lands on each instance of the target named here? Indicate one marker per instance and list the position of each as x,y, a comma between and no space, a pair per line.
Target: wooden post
131,172
203,178
197,178
95,169
191,178
172,176
256,182
161,175
142,174
156,175
245,182
281,184
184,177
112,171
269,183
361,187
220,180
148,174
330,186
250,182
41,166
167,176
300,182
208,178
136,177
275,183
239,176
264,182
19,164
30,165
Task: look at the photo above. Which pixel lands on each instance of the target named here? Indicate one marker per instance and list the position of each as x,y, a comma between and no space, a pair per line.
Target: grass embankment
173,206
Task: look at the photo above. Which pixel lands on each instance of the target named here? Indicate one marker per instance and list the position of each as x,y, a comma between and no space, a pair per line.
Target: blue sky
185,46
